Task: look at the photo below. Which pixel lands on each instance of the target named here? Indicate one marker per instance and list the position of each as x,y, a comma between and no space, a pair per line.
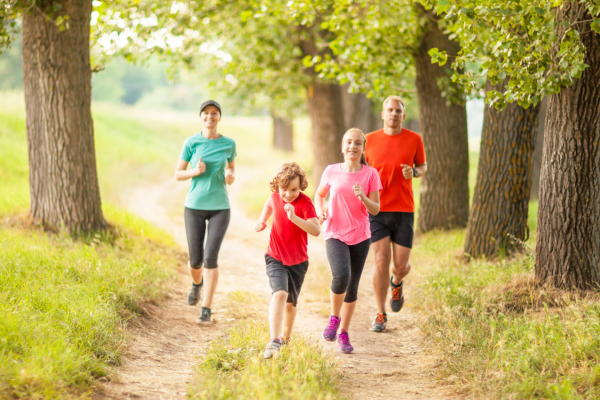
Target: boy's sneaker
284,341
204,316
194,294
379,323
330,333
397,299
273,348
344,343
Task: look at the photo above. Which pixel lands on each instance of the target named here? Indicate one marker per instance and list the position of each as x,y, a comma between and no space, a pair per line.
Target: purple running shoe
344,343
330,333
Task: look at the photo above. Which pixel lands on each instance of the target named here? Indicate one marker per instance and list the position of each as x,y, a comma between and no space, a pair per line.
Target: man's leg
401,265
381,275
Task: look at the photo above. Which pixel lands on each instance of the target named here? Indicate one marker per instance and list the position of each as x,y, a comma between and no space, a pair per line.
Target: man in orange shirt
399,156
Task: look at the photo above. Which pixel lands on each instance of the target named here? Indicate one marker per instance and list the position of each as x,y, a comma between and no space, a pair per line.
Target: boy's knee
280,295
289,306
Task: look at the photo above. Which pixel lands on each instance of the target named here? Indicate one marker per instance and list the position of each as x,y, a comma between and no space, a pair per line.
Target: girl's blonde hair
363,159
287,173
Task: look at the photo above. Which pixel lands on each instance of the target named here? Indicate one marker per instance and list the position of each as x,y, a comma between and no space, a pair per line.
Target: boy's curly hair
285,174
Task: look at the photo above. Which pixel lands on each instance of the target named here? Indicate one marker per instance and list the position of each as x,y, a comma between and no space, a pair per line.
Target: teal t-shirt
208,190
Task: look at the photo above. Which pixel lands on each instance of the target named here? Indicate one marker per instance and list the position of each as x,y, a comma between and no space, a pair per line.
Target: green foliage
235,369
521,41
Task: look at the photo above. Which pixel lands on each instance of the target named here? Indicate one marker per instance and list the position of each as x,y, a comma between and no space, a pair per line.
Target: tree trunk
358,111
501,198
538,151
60,137
326,112
568,243
324,104
283,133
445,188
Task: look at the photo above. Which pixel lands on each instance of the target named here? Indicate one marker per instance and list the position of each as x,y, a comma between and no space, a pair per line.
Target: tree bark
326,112
568,243
538,151
501,198
444,189
358,111
57,85
283,133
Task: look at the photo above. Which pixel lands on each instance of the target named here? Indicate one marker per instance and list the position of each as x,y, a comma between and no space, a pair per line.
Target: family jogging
371,205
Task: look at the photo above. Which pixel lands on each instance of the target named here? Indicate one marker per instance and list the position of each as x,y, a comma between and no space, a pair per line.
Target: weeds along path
165,346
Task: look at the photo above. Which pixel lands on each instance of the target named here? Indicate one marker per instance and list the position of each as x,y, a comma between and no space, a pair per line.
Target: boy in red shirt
287,259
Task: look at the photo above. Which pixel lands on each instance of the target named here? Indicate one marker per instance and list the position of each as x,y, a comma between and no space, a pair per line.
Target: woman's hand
260,226
358,191
229,176
200,167
322,217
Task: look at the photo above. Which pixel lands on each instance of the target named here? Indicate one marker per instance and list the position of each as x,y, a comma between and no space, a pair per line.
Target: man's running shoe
194,294
344,343
204,317
379,322
273,348
397,299
330,333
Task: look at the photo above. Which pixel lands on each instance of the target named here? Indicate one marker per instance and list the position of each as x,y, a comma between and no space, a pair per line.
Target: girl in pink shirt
353,189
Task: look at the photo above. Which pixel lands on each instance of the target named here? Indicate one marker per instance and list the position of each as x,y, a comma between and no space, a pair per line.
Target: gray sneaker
273,348
194,294
204,316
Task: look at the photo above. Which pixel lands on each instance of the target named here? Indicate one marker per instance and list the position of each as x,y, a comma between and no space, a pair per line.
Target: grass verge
234,368
501,336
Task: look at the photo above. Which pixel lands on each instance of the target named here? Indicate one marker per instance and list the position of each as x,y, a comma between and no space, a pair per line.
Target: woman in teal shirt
212,158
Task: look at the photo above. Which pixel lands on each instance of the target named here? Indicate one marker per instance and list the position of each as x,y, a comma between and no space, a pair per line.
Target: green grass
63,303
235,369
500,336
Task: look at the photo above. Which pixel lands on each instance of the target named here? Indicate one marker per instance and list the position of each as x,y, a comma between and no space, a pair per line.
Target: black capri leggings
195,227
347,263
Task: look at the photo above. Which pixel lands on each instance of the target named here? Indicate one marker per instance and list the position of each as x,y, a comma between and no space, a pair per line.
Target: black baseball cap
210,103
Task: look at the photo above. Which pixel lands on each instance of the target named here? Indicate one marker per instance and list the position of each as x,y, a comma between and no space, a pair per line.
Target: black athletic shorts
286,278
397,225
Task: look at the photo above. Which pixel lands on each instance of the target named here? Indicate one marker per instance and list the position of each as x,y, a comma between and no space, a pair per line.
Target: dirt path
164,347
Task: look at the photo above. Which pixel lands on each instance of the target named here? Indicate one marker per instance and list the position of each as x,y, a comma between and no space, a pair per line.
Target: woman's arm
181,172
264,216
230,172
320,202
371,201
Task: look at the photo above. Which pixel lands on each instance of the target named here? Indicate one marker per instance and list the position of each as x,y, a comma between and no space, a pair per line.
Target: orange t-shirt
386,153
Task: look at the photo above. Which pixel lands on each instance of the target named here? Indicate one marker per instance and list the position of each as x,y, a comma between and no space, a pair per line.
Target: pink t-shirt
347,216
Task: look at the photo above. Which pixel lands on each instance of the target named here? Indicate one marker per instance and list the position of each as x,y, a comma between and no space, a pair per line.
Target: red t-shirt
288,243
386,153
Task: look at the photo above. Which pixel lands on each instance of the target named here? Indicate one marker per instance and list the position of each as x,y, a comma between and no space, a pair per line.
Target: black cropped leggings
347,263
195,228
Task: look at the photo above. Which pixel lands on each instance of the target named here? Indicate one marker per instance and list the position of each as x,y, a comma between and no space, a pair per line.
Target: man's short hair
395,98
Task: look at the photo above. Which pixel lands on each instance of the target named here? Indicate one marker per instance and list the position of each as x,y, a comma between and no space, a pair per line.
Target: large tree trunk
568,244
283,132
501,198
324,104
358,111
57,85
445,188
538,151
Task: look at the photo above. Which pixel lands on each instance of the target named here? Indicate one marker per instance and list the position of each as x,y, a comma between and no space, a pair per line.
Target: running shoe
194,294
330,333
379,322
397,299
204,316
343,343
284,341
273,347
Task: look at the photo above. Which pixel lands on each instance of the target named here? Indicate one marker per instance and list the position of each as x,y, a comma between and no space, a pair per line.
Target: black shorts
286,278
397,225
